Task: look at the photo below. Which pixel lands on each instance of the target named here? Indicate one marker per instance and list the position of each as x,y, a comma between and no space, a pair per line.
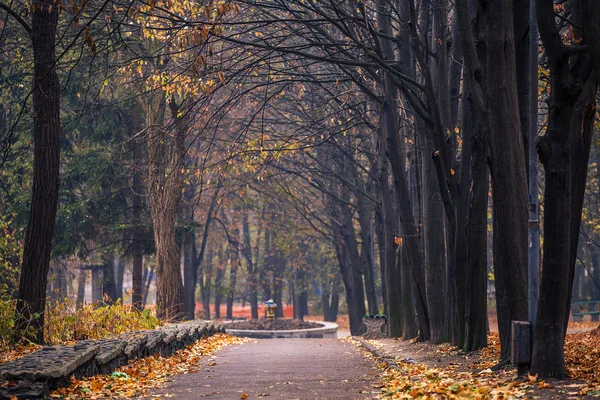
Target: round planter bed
325,330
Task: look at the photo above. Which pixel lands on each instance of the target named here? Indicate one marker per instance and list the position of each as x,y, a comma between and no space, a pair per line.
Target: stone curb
327,330
389,362
33,376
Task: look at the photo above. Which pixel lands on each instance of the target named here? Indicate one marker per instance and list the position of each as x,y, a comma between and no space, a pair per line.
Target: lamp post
270,308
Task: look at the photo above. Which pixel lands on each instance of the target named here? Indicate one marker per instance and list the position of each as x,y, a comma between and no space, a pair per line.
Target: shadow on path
281,368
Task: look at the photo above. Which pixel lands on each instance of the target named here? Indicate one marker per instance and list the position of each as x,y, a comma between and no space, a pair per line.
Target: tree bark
409,325
250,267
206,285
220,274
190,274
507,167
31,298
434,248
564,152
82,277
234,256
165,178
137,232
109,287
97,283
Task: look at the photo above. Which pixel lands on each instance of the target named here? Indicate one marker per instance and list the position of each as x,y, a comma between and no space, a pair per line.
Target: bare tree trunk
137,232
409,325
206,285
397,161
335,298
366,234
109,287
380,231
347,273
31,298
220,274
146,287
165,177
189,274
82,277
252,283
120,275
434,248
97,282
564,153
235,261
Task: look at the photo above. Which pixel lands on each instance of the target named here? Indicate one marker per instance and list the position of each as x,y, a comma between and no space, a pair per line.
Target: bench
374,323
583,308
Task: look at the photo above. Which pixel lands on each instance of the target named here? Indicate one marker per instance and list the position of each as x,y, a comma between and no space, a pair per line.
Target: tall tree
564,151
46,163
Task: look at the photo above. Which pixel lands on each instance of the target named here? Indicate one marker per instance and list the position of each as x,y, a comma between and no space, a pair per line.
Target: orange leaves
582,356
475,379
136,378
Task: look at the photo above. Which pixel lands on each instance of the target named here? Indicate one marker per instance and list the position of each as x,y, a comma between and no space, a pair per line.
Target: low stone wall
327,330
33,376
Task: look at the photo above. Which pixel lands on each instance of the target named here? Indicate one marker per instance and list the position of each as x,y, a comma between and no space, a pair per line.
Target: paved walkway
282,369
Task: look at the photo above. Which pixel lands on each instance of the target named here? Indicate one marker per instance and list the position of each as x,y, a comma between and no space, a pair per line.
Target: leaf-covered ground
427,371
140,376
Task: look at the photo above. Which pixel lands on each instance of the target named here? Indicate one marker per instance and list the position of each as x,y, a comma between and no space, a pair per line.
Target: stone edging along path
33,376
376,353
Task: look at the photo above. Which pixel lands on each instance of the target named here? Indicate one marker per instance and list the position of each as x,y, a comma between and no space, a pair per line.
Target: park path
281,369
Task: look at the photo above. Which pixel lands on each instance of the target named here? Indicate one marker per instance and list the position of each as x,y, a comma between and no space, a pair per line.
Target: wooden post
520,353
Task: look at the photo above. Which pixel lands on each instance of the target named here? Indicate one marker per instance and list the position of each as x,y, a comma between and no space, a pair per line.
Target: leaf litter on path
136,378
447,373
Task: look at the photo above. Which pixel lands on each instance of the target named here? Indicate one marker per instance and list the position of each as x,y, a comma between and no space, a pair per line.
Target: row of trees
371,133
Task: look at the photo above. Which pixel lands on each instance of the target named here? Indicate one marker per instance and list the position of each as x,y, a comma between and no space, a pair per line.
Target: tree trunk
235,261
279,269
434,248
335,299
521,38
220,274
476,276
165,162
252,280
120,275
397,160
365,212
206,285
82,277
354,259
97,283
146,287
189,274
31,298
137,232
564,152
109,288
347,274
380,230
507,168
409,325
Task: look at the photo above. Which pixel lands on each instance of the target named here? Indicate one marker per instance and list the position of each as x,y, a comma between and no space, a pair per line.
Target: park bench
374,323
582,308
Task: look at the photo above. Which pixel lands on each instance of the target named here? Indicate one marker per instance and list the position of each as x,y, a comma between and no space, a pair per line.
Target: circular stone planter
327,330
